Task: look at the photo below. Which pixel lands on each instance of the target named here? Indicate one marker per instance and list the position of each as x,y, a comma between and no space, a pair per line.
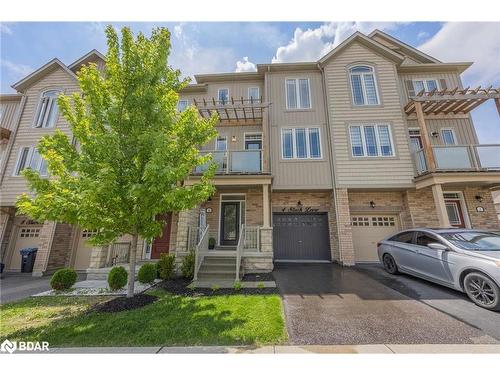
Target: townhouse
317,161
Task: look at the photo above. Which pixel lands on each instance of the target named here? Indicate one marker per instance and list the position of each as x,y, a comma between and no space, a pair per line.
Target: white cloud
311,44
18,70
5,29
245,65
422,35
468,41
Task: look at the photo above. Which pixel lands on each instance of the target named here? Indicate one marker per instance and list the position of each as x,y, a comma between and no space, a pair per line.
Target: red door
161,244
455,214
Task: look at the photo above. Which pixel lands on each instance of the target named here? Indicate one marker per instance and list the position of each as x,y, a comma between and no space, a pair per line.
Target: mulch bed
123,303
180,287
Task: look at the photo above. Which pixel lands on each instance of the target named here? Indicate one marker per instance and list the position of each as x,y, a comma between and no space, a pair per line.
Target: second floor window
30,158
253,93
448,136
223,95
363,85
298,95
182,105
221,143
371,140
301,143
424,84
47,111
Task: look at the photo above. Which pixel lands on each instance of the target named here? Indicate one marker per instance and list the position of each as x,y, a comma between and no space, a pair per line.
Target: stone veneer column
44,244
99,256
266,240
344,227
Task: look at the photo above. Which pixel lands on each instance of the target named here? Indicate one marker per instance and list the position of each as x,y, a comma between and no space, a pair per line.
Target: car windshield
479,241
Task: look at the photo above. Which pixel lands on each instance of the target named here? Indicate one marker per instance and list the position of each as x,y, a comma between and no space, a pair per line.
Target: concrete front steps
218,267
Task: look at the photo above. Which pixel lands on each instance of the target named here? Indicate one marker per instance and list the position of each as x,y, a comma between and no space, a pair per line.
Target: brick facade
487,219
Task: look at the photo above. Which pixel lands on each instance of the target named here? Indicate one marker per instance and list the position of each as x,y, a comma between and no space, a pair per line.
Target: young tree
133,150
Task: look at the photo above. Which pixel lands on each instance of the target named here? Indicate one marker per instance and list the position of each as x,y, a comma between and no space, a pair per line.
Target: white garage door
27,236
367,230
83,251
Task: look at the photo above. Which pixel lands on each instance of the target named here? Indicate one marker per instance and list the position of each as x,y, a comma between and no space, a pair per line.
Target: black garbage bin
28,255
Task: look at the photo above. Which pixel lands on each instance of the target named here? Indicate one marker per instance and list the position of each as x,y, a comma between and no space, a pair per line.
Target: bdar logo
8,346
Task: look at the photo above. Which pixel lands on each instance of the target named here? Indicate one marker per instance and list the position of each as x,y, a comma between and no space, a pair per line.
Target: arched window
46,115
363,85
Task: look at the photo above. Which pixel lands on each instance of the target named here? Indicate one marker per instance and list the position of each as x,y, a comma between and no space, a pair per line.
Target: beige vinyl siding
12,186
9,112
293,173
350,172
462,127
452,80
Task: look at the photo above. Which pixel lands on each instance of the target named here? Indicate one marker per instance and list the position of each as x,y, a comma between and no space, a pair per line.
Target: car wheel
482,290
390,264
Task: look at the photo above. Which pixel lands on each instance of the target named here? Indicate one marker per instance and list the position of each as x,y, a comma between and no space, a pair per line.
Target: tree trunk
131,267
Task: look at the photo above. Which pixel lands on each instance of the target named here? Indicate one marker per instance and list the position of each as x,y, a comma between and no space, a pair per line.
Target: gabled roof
405,48
88,57
368,42
283,67
211,77
37,74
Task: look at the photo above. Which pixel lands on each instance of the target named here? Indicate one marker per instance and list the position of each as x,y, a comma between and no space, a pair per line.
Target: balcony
234,162
464,158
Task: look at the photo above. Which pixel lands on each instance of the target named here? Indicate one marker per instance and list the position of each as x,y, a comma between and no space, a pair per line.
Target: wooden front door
455,213
161,244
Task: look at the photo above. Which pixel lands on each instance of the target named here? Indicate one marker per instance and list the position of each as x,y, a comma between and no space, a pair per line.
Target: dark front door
230,223
455,213
301,237
161,244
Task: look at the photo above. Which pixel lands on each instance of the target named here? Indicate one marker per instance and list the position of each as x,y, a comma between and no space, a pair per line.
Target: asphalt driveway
329,304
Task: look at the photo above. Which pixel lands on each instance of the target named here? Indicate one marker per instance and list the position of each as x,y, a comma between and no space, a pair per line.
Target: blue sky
229,46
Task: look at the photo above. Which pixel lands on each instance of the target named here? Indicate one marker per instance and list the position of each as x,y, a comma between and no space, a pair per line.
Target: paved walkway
307,349
327,304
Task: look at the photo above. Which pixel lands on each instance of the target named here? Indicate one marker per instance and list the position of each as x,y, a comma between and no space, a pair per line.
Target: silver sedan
463,259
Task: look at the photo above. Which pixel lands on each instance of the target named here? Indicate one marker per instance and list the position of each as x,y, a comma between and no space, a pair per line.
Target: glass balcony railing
244,161
459,158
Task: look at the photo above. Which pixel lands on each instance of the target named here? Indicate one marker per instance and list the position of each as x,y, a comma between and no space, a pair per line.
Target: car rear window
478,241
405,237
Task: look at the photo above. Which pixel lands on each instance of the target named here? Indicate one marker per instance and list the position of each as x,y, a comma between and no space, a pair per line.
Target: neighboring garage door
299,237
367,230
83,251
27,236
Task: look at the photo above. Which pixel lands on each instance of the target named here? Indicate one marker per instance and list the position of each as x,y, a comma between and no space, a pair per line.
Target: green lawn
170,321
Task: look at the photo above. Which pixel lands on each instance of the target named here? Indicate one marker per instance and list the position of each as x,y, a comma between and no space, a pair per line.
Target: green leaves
131,150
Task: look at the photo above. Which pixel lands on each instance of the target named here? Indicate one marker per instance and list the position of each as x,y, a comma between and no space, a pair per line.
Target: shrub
261,285
237,285
117,278
187,267
166,266
63,279
147,273
211,243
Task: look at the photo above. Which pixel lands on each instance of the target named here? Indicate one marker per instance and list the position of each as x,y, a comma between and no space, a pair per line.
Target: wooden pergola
445,102
452,101
233,111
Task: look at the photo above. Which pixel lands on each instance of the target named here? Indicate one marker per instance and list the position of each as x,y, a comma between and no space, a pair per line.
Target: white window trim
294,144
180,101
297,94
377,137
249,134
258,92
465,211
452,132
31,150
217,139
363,88
424,80
40,97
218,93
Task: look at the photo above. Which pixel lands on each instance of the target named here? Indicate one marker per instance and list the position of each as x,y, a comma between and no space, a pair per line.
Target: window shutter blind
410,88
442,84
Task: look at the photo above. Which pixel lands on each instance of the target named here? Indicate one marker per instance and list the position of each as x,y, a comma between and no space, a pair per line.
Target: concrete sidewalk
305,349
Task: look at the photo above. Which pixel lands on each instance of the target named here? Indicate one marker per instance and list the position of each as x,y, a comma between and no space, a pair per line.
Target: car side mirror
437,246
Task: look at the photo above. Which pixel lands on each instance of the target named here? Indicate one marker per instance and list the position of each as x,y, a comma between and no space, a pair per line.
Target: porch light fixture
435,134
479,198
233,138
372,204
